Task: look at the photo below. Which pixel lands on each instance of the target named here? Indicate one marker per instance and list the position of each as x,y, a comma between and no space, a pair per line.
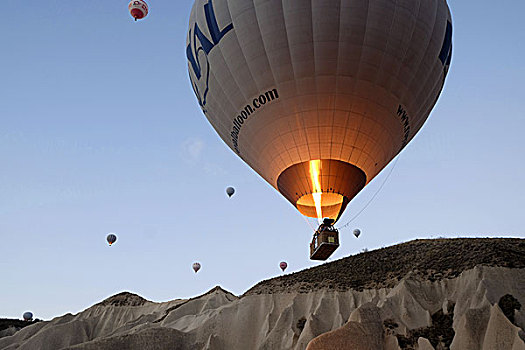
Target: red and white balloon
283,265
138,9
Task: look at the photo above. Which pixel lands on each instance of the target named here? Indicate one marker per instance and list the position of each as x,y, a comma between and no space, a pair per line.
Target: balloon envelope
138,9
283,265
196,267
357,232
28,316
318,96
230,191
111,238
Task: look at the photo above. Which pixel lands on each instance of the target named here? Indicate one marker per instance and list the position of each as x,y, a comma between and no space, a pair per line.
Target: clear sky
100,132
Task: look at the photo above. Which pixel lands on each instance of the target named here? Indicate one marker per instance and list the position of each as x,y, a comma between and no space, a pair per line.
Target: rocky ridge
463,294
429,259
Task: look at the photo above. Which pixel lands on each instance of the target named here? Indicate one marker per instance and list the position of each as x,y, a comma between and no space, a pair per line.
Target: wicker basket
324,244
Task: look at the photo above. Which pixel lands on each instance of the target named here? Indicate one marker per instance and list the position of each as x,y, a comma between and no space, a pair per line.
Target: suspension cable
374,196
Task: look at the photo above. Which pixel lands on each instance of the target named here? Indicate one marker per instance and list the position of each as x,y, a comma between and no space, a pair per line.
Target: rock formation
459,294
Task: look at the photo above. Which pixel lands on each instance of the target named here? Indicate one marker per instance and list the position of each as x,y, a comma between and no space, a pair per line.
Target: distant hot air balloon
111,238
138,9
196,267
283,265
27,316
318,96
230,191
357,232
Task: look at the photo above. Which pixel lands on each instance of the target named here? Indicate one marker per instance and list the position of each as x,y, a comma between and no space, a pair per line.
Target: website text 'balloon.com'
257,103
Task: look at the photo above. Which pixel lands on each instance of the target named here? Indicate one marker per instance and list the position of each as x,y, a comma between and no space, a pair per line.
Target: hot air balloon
27,316
196,267
138,9
283,265
111,238
230,191
318,96
357,233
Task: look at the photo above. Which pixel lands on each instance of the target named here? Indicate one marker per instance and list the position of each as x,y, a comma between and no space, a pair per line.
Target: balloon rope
374,196
308,222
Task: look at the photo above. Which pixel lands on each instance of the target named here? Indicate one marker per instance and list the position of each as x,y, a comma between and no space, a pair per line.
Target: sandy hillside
459,294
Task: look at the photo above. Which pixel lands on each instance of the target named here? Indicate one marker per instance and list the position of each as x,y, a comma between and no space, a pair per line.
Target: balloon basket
324,244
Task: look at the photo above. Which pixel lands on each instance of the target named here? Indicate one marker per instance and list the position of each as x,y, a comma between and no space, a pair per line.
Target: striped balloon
111,238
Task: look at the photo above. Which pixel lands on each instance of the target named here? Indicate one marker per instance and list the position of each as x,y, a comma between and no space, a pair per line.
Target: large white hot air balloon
318,96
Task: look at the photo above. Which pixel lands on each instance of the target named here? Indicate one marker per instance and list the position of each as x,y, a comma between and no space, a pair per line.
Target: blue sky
100,132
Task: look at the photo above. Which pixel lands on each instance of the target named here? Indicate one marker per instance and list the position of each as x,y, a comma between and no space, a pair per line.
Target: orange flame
315,171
